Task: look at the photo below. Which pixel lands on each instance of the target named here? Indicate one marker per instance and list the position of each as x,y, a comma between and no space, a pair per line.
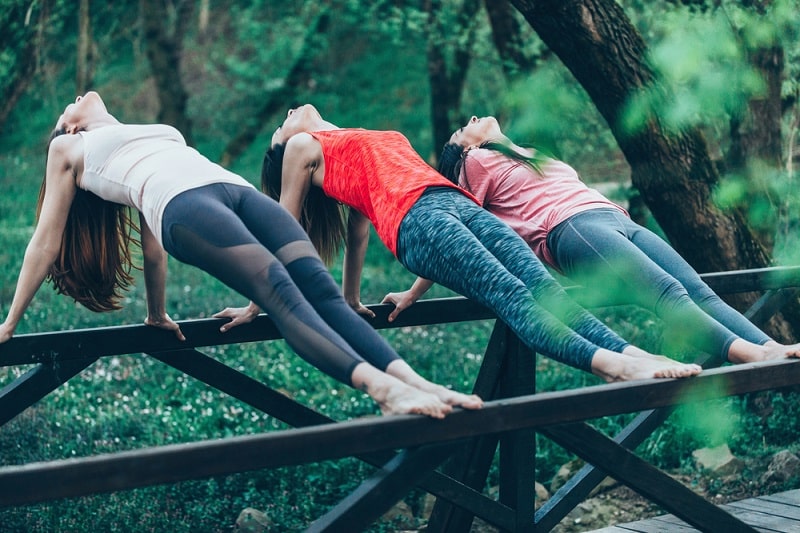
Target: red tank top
379,174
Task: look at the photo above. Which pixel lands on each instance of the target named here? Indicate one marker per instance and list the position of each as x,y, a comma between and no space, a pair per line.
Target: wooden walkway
773,513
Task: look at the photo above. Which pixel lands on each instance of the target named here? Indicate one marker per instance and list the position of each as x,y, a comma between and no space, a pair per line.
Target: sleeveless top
531,202
379,174
144,167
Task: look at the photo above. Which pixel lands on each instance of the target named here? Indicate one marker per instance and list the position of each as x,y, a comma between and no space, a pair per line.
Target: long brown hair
94,263
322,217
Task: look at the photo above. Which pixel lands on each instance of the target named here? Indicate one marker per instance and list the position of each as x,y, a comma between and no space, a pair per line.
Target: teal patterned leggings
450,240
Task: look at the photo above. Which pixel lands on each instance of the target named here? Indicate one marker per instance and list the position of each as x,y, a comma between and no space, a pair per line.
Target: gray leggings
450,240
254,246
626,263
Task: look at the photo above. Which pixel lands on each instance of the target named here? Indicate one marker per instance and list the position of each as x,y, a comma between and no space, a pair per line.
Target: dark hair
451,161
94,262
322,217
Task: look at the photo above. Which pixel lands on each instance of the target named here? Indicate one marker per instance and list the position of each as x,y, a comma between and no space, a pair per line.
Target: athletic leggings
254,246
604,249
449,239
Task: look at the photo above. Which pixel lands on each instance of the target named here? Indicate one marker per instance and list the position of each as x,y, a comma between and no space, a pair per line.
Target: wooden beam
37,482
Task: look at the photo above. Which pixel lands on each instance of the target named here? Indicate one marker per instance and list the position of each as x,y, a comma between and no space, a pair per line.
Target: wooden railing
466,440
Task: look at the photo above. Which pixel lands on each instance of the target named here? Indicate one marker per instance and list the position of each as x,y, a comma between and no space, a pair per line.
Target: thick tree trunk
674,173
164,49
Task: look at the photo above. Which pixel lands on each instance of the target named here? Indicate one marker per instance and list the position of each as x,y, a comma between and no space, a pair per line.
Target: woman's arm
354,253
155,281
301,159
45,244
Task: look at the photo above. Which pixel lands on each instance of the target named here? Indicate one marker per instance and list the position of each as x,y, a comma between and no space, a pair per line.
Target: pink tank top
379,174
531,202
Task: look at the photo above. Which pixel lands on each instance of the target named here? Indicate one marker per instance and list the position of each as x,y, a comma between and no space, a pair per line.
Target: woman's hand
401,300
361,309
165,322
238,316
6,332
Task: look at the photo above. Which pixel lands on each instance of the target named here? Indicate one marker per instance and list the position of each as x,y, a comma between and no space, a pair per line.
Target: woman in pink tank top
584,235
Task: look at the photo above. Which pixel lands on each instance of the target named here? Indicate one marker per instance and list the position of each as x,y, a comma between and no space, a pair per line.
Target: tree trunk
21,40
447,80
508,39
164,49
84,63
673,172
299,75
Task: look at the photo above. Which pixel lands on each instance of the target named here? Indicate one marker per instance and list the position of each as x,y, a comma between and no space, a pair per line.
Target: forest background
686,112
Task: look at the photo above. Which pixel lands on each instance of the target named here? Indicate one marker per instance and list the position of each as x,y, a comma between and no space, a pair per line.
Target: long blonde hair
94,263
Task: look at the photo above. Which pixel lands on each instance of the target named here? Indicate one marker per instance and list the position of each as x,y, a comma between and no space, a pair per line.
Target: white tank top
144,167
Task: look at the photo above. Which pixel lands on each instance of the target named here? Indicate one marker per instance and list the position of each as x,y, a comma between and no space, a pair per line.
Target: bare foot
402,371
395,397
451,397
742,351
612,366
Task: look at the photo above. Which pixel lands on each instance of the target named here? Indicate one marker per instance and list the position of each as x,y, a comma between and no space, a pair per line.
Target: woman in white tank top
193,209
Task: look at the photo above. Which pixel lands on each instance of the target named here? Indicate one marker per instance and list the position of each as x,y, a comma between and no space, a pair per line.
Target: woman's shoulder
67,147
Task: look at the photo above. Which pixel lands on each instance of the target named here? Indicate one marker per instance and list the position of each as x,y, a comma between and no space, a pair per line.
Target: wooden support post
518,448
470,465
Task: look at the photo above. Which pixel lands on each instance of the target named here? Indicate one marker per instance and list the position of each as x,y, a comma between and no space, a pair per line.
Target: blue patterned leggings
450,240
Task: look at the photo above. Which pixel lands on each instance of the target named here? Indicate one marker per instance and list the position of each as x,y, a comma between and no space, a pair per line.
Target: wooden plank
757,279
121,340
644,478
102,473
761,505
791,497
764,521
518,448
769,513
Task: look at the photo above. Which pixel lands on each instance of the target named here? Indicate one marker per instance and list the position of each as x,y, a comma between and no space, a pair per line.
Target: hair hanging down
451,161
321,217
94,263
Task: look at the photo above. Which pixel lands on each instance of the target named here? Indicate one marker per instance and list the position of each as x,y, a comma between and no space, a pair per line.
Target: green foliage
371,72
702,74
